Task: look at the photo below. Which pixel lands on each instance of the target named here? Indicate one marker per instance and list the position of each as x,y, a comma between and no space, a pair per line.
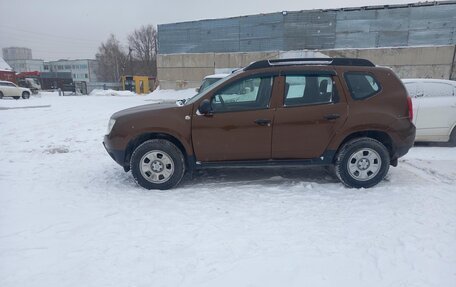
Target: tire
362,163
157,164
25,95
16,98
1,95
453,137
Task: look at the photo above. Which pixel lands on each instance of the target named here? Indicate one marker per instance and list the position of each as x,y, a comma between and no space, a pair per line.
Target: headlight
110,125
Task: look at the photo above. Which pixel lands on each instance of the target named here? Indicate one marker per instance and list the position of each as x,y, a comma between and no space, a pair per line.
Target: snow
4,66
217,76
70,216
158,95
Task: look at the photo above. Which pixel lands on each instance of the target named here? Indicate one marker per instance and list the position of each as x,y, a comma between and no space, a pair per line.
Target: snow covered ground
70,216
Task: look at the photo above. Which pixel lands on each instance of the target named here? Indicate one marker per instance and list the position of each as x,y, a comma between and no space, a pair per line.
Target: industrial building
416,40
82,70
21,59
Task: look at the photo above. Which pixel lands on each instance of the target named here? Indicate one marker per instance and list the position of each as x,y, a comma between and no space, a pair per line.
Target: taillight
410,108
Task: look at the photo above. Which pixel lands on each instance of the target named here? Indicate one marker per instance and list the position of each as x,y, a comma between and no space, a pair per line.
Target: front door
240,124
311,113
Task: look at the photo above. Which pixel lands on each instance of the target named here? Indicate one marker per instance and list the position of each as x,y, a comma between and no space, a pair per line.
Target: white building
26,65
21,60
82,70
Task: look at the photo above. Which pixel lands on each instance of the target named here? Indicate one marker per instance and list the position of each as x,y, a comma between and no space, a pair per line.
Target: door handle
263,122
332,116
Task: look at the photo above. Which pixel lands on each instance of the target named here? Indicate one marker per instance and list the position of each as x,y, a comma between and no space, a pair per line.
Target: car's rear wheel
16,98
25,95
453,137
362,162
157,164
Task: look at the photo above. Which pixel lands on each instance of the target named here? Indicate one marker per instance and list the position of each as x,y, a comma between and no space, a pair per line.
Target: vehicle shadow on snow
256,176
433,144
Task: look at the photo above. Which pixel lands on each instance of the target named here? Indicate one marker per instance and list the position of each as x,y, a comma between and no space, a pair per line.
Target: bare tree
143,45
112,60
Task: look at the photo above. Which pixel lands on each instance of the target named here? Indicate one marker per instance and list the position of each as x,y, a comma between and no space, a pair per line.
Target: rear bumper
405,138
117,155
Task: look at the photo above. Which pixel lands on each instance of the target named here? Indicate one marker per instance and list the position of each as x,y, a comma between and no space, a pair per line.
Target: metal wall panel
261,32
358,39
309,30
417,24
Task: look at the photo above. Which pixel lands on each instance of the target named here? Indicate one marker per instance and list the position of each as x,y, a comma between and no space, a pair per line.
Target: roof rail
310,61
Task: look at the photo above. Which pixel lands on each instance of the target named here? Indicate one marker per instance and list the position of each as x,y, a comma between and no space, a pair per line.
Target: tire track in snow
427,172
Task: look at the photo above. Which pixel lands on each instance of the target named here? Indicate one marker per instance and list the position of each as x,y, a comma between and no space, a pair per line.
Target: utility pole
130,59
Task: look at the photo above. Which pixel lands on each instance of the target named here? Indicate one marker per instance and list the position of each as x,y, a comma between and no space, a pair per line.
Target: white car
434,108
9,89
210,80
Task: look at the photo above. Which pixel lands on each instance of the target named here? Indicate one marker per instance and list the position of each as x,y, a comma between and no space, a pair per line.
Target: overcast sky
60,29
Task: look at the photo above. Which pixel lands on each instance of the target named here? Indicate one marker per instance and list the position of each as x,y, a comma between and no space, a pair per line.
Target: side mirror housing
205,107
197,90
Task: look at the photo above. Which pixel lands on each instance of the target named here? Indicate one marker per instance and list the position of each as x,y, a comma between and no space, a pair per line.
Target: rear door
309,115
240,125
437,111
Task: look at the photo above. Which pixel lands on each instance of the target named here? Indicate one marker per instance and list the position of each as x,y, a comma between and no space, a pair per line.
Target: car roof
1,81
417,80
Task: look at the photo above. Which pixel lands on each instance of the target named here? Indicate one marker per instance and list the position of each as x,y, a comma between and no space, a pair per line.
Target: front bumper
117,155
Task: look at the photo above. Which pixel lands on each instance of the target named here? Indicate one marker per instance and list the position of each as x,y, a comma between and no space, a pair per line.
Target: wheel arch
138,140
379,135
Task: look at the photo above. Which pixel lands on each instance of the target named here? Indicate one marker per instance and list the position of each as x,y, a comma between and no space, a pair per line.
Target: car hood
143,109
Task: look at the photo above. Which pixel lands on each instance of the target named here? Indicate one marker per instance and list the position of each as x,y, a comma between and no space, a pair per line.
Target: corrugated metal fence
385,26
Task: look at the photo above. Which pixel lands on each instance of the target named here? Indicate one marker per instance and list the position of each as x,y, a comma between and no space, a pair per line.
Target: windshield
208,82
193,99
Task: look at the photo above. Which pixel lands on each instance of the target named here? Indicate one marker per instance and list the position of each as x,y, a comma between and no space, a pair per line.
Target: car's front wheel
25,95
157,164
1,95
362,162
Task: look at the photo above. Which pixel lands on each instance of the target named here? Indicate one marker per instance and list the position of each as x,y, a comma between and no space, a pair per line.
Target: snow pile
110,92
4,65
70,216
157,95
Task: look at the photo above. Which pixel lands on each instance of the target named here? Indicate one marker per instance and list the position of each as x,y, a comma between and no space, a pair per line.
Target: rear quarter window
362,85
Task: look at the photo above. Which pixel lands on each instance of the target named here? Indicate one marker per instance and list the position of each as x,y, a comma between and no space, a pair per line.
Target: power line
9,28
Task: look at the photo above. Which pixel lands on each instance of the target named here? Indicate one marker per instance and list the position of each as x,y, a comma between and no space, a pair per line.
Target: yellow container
137,84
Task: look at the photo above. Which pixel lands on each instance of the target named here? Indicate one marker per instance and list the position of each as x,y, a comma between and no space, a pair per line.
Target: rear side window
361,85
309,90
432,89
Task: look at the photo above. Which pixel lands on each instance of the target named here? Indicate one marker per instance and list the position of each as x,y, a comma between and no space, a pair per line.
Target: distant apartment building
21,60
82,70
17,53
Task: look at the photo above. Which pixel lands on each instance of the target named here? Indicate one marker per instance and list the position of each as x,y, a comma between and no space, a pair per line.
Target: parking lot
69,214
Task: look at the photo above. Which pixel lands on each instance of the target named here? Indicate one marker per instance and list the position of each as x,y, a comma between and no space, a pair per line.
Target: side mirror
197,90
205,107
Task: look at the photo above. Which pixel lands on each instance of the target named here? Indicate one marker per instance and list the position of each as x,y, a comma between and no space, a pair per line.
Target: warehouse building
416,40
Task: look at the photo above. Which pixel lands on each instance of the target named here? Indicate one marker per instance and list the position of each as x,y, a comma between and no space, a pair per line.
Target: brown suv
339,112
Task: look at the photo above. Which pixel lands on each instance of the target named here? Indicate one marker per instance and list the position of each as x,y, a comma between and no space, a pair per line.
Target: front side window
208,82
361,85
245,94
309,90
